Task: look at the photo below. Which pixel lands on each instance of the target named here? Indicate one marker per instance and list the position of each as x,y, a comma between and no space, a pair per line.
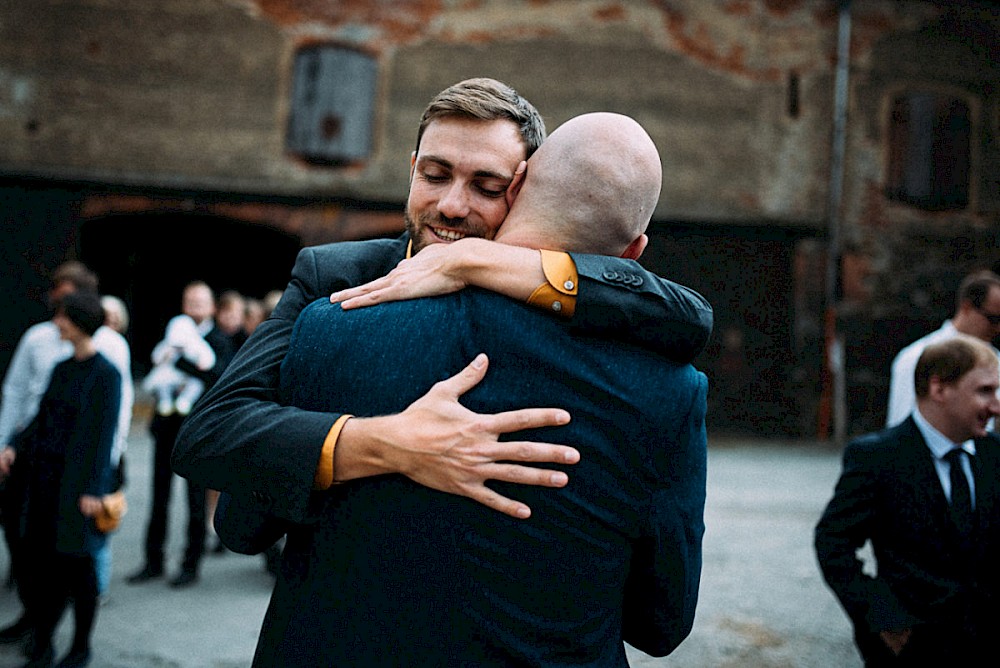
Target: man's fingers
501,423
527,418
527,475
351,293
369,299
344,295
530,451
491,499
523,475
466,379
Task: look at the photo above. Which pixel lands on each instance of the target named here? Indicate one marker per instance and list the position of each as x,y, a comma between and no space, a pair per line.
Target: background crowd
51,364
68,400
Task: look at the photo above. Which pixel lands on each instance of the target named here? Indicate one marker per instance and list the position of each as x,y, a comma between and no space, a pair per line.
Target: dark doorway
147,259
754,371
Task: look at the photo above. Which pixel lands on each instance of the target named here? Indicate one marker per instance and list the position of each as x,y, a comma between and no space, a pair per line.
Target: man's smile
446,235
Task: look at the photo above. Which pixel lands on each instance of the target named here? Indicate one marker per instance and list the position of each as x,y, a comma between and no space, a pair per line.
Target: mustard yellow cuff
558,293
324,470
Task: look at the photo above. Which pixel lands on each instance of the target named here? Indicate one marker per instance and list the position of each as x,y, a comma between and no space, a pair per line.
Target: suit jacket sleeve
621,299
661,590
242,528
846,524
239,438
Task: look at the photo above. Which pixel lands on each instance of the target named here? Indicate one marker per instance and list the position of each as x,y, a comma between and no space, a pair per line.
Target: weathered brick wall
177,105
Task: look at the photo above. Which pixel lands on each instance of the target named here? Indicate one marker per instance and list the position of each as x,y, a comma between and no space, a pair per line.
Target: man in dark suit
472,139
926,493
198,302
396,573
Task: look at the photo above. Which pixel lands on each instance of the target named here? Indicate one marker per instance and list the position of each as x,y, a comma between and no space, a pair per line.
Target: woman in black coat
67,449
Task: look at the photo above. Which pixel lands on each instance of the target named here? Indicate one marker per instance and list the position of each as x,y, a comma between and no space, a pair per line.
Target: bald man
396,573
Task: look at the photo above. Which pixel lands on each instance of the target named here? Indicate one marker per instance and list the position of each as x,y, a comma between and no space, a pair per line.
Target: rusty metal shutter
333,99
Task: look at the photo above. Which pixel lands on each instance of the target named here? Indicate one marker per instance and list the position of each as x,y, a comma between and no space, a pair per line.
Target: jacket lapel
924,477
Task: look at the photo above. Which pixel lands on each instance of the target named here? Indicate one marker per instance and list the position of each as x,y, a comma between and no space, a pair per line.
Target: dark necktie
961,498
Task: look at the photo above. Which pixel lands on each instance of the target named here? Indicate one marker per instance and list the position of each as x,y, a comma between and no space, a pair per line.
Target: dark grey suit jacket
397,574
241,439
889,493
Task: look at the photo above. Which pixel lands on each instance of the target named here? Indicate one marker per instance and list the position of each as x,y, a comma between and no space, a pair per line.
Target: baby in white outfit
175,390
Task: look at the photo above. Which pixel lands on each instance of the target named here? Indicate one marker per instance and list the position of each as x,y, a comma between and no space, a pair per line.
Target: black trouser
63,577
11,512
929,646
164,430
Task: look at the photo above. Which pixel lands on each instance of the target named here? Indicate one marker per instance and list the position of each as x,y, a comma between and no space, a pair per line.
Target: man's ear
635,249
936,388
413,163
515,183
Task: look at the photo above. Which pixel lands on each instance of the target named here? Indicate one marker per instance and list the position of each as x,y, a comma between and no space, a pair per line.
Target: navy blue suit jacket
394,573
889,493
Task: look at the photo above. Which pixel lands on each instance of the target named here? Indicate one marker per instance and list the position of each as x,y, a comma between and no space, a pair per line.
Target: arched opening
147,259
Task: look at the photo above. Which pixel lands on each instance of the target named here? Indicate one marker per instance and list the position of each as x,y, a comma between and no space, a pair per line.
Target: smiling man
977,313
926,493
472,139
456,194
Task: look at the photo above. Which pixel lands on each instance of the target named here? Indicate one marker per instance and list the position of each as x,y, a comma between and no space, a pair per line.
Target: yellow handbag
113,509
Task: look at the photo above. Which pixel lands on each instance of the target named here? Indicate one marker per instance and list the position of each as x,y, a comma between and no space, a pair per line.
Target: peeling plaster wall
960,56
174,106
195,94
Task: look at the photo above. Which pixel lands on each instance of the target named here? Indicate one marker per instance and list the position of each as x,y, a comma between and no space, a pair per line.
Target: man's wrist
469,260
361,447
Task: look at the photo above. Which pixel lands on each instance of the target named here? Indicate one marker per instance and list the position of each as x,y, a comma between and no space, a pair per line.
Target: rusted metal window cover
333,97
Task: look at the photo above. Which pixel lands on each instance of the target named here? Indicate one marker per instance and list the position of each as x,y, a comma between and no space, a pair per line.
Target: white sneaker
165,407
183,406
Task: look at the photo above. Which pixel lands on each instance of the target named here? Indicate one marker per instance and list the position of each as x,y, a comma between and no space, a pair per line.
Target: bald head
591,187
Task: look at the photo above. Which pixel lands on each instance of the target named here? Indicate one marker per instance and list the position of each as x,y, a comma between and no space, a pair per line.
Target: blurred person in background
116,314
174,390
271,300
254,315
977,314
37,353
198,301
926,494
116,319
67,450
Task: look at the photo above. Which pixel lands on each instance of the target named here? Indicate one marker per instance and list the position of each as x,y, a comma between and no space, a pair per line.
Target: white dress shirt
940,445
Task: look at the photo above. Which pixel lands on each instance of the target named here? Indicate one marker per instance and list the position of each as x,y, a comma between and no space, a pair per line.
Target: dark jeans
164,430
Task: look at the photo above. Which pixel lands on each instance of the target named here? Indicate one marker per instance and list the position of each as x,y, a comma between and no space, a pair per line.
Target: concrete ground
762,605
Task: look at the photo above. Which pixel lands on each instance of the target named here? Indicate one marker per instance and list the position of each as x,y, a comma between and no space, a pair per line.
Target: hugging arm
243,439
240,438
603,295
621,299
